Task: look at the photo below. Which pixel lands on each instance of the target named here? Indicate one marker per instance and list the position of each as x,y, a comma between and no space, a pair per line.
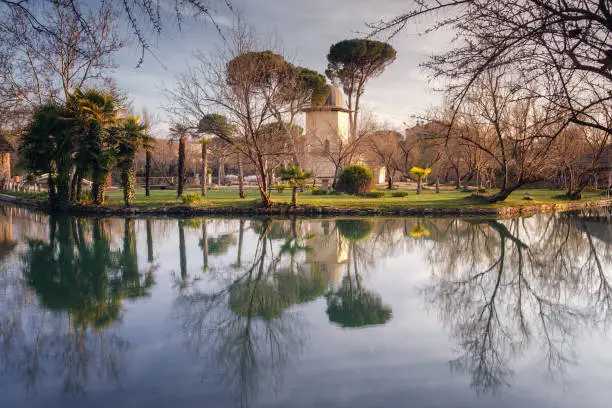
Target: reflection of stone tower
5,158
326,126
329,252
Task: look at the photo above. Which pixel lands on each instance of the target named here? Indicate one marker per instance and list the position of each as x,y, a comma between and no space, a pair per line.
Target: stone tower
326,126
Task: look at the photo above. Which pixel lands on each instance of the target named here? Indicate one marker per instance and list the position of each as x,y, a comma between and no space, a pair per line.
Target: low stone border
185,211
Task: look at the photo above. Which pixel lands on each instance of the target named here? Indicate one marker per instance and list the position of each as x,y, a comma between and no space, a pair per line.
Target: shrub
399,194
280,187
483,190
374,194
189,199
355,179
319,192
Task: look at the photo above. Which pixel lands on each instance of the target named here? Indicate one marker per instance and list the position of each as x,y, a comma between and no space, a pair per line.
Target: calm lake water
305,313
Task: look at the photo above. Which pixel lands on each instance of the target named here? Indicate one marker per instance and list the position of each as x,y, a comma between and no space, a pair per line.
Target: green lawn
428,199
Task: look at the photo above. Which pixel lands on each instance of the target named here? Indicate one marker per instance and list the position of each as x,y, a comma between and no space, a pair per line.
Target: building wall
5,166
321,126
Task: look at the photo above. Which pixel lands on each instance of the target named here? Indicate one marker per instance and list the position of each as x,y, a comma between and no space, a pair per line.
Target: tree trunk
63,189
181,168
98,189
182,252
503,193
419,181
241,190
263,187
148,173
73,185
389,180
204,168
240,241
128,177
294,195
150,257
205,244
437,184
79,189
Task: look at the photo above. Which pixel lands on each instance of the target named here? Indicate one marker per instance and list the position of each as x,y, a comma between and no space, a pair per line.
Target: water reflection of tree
503,286
79,283
247,327
351,305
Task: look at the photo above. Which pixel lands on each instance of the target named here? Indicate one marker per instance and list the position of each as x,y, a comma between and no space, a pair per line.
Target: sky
306,29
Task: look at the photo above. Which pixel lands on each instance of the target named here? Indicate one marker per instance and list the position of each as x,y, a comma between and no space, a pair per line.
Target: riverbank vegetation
446,199
498,130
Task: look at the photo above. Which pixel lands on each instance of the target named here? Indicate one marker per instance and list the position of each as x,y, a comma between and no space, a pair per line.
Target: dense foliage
355,179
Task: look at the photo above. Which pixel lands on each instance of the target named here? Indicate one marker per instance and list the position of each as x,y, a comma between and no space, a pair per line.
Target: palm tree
419,173
47,147
97,111
132,135
296,177
179,132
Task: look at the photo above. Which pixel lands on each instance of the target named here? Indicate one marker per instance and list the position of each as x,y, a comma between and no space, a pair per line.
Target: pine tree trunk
437,184
148,173
418,190
203,168
181,167
150,257
241,190
182,251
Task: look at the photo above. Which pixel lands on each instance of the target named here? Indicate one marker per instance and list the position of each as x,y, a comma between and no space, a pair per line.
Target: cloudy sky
306,28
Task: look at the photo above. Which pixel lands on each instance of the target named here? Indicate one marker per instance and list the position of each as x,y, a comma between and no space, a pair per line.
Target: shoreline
323,211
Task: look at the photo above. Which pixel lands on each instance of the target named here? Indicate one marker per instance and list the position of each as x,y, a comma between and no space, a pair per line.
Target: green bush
280,187
319,192
355,179
374,194
189,199
399,194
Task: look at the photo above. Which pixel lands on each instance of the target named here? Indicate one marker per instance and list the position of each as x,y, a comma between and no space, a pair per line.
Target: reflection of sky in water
300,358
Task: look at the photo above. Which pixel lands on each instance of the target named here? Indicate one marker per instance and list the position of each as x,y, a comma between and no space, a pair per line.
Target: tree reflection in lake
351,305
80,283
503,286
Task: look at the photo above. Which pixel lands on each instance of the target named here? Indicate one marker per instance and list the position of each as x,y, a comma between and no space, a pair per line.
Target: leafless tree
561,49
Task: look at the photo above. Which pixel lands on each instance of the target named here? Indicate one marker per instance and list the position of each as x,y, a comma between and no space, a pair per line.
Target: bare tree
249,88
560,48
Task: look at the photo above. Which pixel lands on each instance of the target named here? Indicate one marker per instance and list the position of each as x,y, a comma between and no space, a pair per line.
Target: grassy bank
446,199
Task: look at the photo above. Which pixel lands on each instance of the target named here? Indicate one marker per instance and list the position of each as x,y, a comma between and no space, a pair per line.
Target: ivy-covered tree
132,135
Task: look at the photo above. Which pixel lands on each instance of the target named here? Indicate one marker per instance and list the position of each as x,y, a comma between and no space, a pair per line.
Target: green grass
427,199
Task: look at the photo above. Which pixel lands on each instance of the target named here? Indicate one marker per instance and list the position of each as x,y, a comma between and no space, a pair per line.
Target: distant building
327,126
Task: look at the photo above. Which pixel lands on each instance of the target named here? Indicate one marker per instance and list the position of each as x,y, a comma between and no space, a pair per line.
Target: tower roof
334,101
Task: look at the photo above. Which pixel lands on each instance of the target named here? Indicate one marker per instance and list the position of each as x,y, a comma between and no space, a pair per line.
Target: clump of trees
83,138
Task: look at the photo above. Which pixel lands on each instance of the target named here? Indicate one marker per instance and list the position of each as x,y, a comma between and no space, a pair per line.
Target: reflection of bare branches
502,286
243,328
